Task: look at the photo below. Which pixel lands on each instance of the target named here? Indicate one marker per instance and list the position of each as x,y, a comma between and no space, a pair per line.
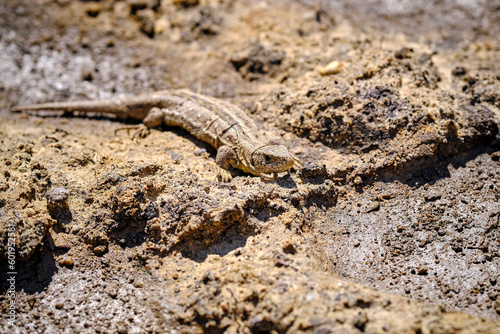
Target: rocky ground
391,226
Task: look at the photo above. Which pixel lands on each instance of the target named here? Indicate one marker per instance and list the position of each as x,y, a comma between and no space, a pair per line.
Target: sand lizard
226,127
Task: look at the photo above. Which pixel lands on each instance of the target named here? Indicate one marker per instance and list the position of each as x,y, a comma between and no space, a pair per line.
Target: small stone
57,200
200,152
458,71
324,330
161,25
404,53
432,195
289,248
423,271
86,74
75,229
495,156
186,3
176,158
137,283
121,329
57,195
93,9
360,321
372,206
239,58
147,19
98,250
112,292
66,261
136,5
358,180
334,67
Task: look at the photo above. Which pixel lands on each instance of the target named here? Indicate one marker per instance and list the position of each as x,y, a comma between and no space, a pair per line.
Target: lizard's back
212,120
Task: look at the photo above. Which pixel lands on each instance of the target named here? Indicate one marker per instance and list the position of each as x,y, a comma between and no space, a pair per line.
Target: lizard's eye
267,158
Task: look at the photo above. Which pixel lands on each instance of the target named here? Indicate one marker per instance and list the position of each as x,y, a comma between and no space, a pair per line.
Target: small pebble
112,292
334,67
57,195
161,25
176,158
186,3
98,250
200,152
66,261
93,9
459,71
137,283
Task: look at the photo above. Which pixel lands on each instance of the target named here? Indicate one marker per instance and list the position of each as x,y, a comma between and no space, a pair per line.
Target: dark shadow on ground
417,174
232,239
31,276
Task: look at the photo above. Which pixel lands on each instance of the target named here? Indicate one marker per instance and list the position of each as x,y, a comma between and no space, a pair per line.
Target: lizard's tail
105,106
31,107
116,107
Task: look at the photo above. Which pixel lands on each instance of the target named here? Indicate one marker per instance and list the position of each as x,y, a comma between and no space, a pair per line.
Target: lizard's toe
223,175
267,177
297,165
140,130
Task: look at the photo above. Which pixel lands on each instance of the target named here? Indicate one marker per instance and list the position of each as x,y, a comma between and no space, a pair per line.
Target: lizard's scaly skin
221,124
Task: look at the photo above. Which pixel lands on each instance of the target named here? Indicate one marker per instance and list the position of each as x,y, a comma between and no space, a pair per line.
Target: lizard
226,127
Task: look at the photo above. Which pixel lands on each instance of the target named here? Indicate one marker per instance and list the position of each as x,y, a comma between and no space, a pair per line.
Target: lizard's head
272,158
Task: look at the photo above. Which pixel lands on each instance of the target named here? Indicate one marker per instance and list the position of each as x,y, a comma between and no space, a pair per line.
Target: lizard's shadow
125,121
77,115
202,145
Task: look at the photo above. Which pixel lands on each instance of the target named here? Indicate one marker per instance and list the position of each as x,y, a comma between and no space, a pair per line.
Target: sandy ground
390,227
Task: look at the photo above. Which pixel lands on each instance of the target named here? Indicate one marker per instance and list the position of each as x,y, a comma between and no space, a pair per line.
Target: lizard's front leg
153,119
225,157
